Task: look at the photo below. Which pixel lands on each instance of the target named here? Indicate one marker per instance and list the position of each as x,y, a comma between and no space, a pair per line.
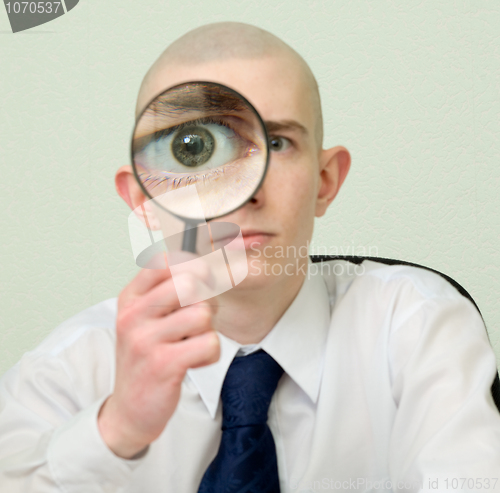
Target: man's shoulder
77,357
349,275
97,322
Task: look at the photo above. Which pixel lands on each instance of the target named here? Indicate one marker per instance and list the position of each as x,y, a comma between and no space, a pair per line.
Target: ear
334,165
130,191
128,188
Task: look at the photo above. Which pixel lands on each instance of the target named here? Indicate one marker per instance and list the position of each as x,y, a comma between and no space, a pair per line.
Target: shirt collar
296,342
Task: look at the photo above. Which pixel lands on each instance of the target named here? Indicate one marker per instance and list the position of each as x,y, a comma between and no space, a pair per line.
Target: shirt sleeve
49,437
446,434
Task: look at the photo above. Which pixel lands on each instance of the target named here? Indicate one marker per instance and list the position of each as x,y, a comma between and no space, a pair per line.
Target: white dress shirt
386,388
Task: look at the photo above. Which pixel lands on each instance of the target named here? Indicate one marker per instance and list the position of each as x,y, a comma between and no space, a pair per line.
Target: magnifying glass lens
203,135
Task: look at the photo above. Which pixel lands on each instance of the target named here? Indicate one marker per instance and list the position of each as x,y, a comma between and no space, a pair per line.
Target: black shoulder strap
495,387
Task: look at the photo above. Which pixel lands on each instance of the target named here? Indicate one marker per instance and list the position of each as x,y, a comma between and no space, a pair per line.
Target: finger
190,289
134,310
182,289
198,266
183,323
146,280
197,351
159,301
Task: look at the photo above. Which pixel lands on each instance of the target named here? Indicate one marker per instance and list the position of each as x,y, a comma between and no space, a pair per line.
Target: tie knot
248,389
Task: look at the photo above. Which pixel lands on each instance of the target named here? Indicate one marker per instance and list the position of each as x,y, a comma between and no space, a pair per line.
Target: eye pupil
276,143
193,146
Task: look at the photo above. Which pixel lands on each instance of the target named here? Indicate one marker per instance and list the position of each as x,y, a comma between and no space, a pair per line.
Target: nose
257,200
255,203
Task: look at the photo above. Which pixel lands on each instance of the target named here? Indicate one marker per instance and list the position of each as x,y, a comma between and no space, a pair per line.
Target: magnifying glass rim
237,94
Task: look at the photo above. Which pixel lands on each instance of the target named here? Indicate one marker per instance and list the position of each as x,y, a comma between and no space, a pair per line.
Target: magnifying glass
207,139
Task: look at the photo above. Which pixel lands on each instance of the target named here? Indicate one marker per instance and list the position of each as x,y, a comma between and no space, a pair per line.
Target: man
386,371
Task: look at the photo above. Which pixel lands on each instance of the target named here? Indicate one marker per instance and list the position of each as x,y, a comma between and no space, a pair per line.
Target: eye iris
276,143
193,146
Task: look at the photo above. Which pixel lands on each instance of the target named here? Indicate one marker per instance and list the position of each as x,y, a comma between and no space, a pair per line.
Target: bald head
226,41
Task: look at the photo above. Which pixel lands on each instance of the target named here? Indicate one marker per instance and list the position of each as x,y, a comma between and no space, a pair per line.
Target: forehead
276,86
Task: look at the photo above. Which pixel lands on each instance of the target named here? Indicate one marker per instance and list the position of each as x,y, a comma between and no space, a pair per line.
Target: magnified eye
194,146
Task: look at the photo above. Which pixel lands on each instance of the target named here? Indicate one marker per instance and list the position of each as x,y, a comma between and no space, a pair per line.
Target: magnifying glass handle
189,238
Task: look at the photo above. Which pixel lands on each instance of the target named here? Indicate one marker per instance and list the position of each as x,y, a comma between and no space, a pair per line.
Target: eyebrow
279,126
213,99
209,99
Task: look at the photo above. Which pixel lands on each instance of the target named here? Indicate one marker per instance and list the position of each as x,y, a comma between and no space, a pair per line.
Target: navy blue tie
246,460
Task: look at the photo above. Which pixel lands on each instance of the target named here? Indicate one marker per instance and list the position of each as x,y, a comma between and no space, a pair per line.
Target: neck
247,315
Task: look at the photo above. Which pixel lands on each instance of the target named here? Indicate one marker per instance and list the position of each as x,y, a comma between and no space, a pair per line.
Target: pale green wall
413,92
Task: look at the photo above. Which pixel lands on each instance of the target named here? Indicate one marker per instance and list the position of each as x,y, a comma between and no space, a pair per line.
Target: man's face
282,212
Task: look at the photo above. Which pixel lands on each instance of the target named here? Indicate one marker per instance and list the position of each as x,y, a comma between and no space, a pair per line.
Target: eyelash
200,121
190,179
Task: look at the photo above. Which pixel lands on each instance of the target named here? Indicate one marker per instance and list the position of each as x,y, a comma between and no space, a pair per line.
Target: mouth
255,238
252,238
